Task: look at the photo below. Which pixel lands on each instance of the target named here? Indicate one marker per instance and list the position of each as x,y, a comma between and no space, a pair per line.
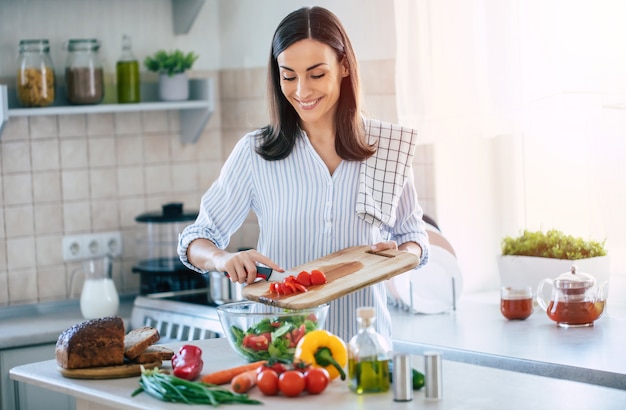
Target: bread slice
138,340
154,353
92,343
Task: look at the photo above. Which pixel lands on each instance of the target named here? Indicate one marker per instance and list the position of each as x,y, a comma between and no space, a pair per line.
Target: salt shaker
434,376
402,378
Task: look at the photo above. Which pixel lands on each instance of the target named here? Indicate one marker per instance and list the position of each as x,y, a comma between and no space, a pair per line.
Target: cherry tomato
267,381
318,277
291,383
304,278
317,379
276,366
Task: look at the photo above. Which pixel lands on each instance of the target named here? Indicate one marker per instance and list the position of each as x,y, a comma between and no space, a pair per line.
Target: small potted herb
172,69
532,256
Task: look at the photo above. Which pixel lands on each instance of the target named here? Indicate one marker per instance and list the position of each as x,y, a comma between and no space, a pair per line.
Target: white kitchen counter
465,386
477,333
43,323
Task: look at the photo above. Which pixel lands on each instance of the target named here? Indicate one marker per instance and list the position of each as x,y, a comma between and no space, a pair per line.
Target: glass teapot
576,301
99,297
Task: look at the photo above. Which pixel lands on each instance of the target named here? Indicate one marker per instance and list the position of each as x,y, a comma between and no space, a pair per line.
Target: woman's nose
303,89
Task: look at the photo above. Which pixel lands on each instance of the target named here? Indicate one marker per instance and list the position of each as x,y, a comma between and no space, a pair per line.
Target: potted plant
529,258
172,69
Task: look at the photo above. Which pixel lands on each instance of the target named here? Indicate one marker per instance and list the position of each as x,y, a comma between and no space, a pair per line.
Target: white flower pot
517,271
174,88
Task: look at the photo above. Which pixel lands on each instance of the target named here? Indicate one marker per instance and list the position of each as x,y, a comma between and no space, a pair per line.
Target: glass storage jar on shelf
84,76
35,74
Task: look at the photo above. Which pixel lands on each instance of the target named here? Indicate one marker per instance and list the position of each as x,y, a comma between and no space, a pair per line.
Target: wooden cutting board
347,270
108,372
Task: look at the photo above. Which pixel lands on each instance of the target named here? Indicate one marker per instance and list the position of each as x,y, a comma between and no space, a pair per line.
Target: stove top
175,317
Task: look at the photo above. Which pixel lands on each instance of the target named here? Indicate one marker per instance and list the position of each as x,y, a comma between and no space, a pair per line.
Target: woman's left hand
381,246
407,247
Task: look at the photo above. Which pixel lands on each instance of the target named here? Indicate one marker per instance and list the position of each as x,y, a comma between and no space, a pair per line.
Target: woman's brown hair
279,137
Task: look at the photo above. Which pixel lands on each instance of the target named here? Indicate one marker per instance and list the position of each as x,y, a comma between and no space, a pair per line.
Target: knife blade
266,273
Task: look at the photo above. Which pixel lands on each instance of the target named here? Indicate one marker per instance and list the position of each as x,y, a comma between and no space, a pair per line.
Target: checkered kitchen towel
384,174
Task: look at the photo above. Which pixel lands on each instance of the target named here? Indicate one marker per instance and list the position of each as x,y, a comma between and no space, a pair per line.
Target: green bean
173,389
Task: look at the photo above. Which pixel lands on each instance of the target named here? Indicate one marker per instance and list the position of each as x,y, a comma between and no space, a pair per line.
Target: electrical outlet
111,243
72,248
93,245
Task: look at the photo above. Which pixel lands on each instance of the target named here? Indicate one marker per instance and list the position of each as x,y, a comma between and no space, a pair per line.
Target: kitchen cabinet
23,396
194,112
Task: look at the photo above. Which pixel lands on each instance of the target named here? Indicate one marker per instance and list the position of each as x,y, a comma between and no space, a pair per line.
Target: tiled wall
72,174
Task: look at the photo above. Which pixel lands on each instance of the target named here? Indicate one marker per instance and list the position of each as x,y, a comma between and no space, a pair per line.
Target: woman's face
310,79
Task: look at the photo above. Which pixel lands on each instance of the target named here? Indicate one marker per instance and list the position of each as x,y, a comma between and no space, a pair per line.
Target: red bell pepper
187,363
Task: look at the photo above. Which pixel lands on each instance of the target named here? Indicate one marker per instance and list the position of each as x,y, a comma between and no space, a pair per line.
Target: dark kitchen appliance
159,266
179,302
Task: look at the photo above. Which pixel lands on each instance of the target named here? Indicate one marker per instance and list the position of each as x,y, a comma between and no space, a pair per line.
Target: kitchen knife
265,273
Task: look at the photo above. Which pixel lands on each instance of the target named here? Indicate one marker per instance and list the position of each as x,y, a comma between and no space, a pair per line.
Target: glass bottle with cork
128,81
368,356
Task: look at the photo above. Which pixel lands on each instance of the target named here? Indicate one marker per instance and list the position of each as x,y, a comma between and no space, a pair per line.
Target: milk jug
98,298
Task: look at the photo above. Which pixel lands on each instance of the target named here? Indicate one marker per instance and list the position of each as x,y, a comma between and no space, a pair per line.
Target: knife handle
261,272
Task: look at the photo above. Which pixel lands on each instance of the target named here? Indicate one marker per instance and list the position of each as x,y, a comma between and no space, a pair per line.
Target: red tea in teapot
578,313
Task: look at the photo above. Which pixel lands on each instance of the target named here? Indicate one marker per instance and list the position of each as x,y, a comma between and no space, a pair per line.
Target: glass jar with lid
35,74
84,76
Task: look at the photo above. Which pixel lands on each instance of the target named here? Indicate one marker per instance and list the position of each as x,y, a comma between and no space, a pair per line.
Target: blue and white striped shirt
304,213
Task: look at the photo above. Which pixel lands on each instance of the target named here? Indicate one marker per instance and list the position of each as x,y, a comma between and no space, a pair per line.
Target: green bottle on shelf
128,81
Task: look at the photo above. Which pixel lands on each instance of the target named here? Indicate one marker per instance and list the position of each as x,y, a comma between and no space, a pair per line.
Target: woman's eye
315,77
288,78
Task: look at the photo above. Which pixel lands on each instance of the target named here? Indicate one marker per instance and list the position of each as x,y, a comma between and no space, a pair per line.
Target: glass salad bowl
259,332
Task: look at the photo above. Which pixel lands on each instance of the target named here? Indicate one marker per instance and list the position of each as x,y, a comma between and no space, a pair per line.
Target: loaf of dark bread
92,343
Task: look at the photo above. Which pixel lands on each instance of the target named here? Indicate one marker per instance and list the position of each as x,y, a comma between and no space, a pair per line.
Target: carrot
244,381
227,375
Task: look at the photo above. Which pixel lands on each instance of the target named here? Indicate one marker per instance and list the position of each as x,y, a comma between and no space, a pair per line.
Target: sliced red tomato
312,317
304,278
297,334
257,342
288,288
274,287
290,285
318,277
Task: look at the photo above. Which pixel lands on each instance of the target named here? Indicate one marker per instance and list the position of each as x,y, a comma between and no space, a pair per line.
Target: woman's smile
309,104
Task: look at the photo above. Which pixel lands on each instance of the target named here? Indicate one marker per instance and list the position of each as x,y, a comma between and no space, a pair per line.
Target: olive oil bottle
127,68
368,356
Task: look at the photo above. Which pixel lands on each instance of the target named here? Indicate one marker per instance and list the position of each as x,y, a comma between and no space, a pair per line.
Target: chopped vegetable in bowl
261,333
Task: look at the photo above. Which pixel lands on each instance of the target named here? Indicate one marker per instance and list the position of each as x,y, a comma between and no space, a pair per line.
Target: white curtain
525,104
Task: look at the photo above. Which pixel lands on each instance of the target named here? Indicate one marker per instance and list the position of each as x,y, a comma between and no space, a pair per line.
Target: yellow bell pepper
321,348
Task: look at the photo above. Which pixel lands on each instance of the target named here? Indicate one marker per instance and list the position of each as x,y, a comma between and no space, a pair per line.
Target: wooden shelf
194,112
184,13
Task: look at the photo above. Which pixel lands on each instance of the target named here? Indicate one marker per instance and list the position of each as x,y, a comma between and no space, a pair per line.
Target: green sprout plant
171,63
552,244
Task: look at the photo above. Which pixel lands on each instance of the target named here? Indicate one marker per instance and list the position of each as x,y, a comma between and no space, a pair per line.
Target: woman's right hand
240,266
